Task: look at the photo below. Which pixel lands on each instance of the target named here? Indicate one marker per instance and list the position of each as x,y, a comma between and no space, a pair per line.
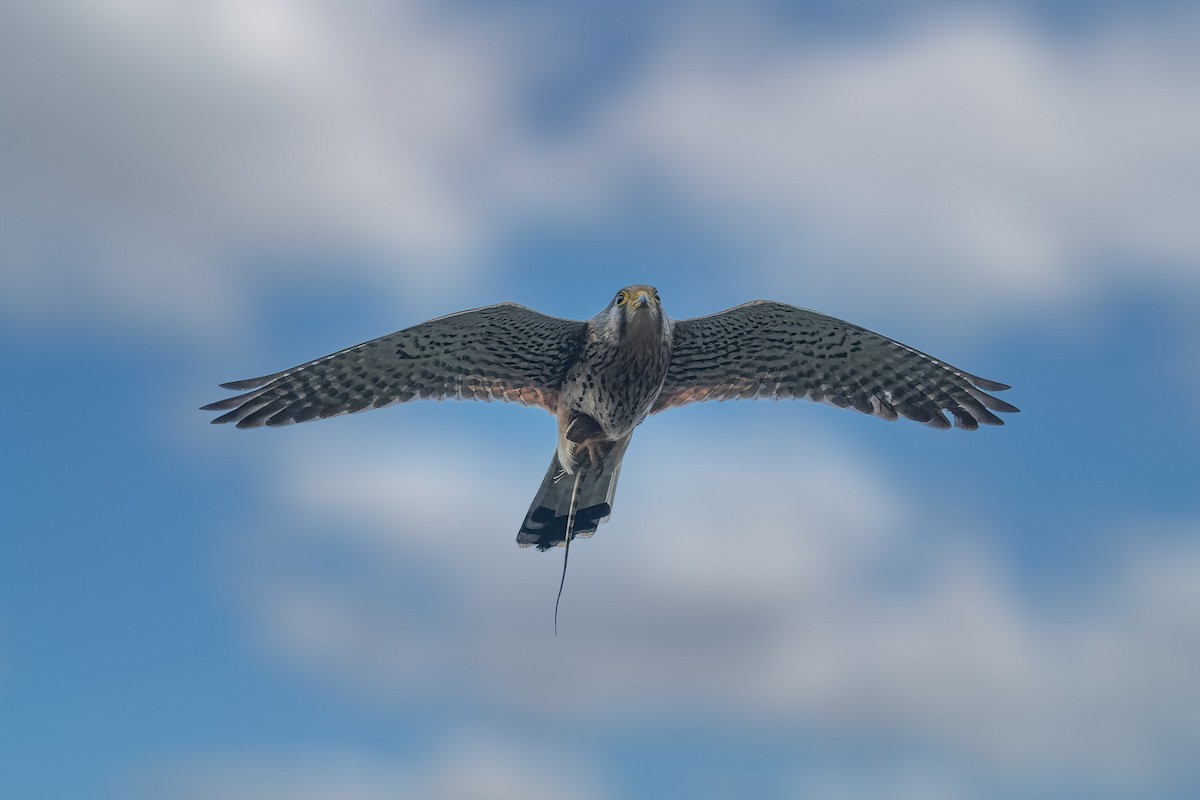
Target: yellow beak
642,300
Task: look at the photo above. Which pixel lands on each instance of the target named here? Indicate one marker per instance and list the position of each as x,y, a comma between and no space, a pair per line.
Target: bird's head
634,311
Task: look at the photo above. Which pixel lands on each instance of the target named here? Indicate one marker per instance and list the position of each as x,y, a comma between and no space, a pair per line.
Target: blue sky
790,600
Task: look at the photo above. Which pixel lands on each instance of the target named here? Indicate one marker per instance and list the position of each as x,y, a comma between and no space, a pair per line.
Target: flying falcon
603,377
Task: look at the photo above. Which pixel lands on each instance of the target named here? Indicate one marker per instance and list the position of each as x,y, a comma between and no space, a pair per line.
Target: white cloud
767,596
468,765
970,165
171,161
174,162
899,782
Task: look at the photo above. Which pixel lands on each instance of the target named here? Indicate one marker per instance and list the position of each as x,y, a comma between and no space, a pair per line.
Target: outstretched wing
501,352
766,349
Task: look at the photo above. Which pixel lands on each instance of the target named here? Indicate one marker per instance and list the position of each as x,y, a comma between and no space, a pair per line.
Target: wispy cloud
970,163
171,162
811,593
469,763
175,162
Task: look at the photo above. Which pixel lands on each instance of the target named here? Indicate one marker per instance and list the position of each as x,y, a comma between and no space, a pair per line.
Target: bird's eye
621,298
656,297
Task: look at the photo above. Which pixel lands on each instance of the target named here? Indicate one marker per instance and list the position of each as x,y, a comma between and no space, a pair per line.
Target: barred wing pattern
767,349
501,352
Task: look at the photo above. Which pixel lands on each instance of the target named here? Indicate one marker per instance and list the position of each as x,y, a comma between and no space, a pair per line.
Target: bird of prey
603,377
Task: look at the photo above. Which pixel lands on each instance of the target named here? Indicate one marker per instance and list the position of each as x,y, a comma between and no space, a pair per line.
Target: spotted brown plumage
766,349
502,352
603,377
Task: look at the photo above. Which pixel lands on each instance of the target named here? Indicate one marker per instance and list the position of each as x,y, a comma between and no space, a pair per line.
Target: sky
790,600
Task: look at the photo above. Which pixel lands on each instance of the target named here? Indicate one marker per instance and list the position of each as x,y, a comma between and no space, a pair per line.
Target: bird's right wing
501,352
766,349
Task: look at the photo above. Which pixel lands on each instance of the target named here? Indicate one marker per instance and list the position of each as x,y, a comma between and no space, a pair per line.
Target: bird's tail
545,525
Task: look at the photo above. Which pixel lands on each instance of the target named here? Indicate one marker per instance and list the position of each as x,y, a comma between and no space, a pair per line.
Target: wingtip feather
991,386
224,404
250,383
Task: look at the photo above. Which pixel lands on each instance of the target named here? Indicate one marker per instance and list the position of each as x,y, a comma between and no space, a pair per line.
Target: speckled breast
617,383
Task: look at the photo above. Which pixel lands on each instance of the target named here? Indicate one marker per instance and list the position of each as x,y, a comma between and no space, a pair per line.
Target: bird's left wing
766,349
501,352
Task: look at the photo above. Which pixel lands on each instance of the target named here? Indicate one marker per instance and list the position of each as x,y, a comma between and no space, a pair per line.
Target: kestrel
604,376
